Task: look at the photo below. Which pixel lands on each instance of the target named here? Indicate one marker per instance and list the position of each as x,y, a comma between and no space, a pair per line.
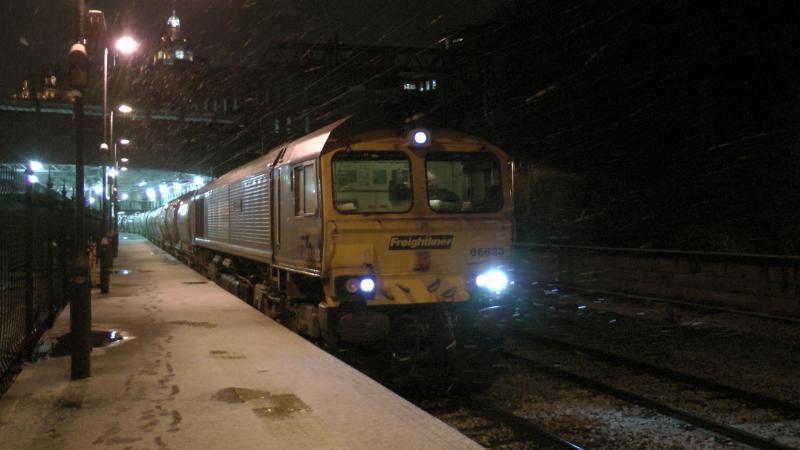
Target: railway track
493,427
680,303
709,424
789,409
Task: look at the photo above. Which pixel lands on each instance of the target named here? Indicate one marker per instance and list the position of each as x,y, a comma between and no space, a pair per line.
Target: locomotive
351,237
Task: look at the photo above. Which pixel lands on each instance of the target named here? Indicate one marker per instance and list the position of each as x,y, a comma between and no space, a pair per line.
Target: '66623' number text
486,251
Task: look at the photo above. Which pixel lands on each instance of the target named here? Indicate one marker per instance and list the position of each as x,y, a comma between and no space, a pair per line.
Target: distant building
173,48
44,85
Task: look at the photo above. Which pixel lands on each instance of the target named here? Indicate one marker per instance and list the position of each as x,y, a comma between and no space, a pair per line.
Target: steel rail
676,413
750,397
524,429
688,304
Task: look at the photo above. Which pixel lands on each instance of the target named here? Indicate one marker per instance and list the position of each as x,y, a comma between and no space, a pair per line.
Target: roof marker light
420,137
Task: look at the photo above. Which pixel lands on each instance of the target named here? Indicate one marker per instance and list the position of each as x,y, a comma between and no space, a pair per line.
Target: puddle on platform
240,395
62,345
275,406
283,405
193,324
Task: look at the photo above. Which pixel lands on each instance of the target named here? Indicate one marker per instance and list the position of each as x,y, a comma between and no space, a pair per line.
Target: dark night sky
661,124
36,33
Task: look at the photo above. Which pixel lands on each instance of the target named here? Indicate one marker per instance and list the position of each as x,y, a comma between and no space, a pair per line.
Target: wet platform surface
199,368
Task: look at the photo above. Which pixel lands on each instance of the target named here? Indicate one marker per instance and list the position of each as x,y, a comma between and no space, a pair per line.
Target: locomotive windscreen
371,182
463,182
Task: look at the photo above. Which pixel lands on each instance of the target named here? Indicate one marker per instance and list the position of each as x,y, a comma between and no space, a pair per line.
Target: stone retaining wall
769,284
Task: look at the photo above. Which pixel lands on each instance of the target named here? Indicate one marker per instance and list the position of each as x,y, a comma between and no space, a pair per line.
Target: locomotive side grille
218,215
250,212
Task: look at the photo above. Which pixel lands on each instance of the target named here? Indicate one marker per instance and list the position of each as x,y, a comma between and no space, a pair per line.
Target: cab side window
304,188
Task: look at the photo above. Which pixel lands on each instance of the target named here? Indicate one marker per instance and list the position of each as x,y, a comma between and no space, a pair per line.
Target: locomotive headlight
352,285
367,285
493,280
356,286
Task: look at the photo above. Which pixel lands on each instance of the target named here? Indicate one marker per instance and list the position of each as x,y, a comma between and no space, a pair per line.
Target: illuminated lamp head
367,284
493,280
419,137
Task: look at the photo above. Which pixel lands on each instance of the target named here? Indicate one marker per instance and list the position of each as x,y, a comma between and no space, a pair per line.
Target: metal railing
37,246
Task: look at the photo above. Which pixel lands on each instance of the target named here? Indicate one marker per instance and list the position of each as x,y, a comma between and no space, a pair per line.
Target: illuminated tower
173,48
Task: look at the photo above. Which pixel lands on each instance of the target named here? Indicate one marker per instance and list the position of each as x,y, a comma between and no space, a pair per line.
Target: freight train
352,237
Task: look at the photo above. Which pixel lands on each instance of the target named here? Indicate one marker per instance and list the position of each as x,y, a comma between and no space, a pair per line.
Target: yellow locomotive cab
383,219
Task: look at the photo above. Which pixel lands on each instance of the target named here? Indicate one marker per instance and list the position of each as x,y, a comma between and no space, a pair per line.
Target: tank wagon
347,236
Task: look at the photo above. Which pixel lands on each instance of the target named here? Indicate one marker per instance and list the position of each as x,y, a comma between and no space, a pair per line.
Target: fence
37,232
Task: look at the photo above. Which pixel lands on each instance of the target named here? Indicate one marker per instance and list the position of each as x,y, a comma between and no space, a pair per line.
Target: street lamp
124,45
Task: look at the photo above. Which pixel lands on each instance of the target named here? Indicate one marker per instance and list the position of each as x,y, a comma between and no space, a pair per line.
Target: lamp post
80,307
124,45
123,142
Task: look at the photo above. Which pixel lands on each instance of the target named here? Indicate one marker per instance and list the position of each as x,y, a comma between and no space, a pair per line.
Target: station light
123,168
163,188
151,194
125,109
198,180
142,183
124,141
124,196
98,189
112,172
33,179
36,166
124,160
91,200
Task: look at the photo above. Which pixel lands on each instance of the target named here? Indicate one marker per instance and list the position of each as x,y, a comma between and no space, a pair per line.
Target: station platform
199,368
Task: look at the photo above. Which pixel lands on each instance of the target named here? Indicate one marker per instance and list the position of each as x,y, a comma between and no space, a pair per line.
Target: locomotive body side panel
300,228
218,215
238,209
250,212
